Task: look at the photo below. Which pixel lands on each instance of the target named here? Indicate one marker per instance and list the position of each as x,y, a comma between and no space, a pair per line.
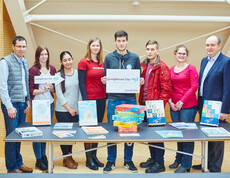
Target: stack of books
128,116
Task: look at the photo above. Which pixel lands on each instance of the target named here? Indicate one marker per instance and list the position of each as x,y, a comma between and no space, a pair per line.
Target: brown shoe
74,162
16,171
25,169
69,163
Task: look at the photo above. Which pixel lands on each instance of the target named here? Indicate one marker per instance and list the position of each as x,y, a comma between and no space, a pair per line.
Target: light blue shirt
209,65
4,74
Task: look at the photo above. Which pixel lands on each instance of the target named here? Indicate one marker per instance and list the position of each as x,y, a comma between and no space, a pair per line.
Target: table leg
50,161
205,156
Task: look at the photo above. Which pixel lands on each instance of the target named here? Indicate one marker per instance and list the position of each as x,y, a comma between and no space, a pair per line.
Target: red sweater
184,86
35,71
159,83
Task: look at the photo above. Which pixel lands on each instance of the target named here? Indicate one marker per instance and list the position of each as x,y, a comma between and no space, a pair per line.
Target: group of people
177,86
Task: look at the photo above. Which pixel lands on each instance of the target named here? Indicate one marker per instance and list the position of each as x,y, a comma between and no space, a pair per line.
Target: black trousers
215,149
66,117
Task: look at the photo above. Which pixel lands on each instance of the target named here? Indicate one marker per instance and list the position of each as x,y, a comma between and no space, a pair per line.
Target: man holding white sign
121,59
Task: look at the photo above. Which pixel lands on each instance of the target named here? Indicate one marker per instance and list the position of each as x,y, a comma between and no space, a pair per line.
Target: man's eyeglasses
21,47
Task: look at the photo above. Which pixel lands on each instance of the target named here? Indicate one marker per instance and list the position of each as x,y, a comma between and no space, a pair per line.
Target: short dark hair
121,33
19,38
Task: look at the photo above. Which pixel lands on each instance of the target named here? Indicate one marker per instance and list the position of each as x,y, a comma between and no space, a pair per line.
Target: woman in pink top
183,103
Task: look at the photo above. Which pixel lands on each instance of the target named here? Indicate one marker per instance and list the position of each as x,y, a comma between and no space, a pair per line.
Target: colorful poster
211,112
155,112
87,112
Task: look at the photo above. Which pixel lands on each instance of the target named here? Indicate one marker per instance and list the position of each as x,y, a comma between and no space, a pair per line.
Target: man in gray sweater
15,100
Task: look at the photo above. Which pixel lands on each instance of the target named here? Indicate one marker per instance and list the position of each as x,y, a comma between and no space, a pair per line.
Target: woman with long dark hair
68,95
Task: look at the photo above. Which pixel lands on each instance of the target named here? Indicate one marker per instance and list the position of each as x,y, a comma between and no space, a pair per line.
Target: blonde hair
99,55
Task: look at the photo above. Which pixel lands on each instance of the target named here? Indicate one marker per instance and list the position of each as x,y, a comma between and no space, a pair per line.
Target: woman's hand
71,111
179,104
172,105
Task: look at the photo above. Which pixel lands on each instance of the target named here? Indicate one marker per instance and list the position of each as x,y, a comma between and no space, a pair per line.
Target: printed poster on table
123,81
87,111
41,112
211,113
155,112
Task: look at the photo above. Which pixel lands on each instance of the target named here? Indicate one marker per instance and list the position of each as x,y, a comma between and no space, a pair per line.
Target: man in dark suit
214,84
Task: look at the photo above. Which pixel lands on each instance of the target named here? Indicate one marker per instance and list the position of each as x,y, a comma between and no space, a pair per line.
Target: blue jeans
13,157
184,115
40,147
112,150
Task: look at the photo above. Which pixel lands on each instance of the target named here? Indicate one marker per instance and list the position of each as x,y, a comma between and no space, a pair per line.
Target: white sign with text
123,81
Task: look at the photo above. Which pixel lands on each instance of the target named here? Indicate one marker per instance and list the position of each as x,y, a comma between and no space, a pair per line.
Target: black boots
94,153
90,161
44,160
41,165
91,157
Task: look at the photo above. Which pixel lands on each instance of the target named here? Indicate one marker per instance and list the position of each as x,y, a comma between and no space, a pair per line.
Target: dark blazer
217,82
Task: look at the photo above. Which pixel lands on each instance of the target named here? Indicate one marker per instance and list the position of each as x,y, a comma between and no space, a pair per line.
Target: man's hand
142,81
12,112
223,116
28,107
104,79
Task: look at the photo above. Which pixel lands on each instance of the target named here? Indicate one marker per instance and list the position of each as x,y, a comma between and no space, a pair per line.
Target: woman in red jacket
157,86
183,104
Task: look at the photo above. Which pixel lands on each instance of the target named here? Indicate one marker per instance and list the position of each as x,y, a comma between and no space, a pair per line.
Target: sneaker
156,168
130,166
109,167
150,162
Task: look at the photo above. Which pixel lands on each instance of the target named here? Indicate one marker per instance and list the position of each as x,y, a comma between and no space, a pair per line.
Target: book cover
215,131
63,125
169,133
129,114
124,124
41,112
87,112
131,108
94,130
183,125
138,120
28,132
211,113
155,112
63,134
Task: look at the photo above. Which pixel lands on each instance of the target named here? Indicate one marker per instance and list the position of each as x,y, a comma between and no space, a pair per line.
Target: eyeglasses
21,47
182,54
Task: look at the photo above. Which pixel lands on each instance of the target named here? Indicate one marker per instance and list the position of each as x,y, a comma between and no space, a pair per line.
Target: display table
147,134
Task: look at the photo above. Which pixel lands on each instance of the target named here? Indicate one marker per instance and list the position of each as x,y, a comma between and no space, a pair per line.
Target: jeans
184,115
40,147
66,117
13,157
112,150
